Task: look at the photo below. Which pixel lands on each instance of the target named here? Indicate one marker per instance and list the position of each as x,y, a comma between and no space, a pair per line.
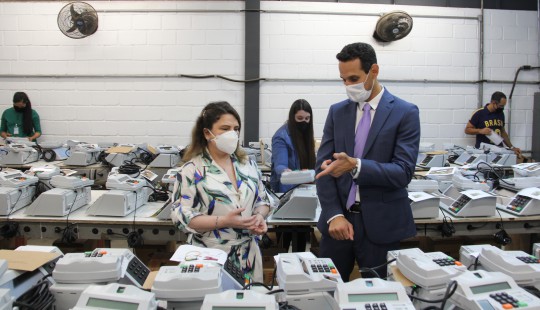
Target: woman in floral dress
219,198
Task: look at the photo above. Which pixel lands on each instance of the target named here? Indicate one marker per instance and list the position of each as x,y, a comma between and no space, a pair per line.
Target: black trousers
366,253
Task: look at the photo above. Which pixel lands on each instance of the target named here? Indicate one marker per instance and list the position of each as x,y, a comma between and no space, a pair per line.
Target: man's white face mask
357,92
226,142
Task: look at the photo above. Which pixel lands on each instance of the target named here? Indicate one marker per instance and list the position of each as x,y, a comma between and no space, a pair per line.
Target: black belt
355,208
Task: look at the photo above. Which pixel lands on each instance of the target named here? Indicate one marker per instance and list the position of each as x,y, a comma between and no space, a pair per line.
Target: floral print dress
203,188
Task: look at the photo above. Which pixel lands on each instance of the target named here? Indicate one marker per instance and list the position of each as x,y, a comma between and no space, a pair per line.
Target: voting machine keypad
137,270
426,160
506,300
518,203
376,306
235,272
322,266
459,203
191,268
449,261
528,259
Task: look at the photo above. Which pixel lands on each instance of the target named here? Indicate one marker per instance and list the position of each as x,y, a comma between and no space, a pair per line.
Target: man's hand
342,164
341,229
485,131
516,150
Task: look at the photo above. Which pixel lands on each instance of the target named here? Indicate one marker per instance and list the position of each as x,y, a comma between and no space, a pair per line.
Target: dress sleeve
262,199
186,202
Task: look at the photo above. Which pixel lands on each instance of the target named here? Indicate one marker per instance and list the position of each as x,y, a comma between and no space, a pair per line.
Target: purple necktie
360,138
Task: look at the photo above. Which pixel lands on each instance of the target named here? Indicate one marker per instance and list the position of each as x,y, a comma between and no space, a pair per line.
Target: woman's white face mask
357,92
226,142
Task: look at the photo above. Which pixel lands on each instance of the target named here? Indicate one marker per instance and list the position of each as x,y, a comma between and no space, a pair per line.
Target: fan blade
73,28
74,13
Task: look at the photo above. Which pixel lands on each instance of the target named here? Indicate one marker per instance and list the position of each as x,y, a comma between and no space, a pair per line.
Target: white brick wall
293,46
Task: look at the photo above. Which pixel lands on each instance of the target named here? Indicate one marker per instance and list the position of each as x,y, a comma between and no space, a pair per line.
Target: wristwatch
354,172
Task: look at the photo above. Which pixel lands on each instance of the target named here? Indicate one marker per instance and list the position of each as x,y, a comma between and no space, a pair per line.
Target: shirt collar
374,103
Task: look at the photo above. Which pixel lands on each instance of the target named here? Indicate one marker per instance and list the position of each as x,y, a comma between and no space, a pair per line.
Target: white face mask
357,92
226,142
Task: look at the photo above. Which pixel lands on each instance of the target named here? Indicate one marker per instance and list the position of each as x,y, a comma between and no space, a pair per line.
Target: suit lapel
383,111
349,124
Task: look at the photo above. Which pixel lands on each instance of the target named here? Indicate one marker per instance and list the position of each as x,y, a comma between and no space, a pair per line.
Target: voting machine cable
69,233
134,238
38,297
10,229
373,270
158,195
450,290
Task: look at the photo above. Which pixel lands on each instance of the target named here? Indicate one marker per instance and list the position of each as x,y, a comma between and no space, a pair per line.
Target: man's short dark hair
498,96
362,51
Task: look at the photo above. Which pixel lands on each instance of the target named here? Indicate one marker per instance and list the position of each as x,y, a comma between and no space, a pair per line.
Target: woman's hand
260,227
234,219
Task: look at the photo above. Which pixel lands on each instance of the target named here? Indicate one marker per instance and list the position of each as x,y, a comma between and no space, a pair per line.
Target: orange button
199,265
333,270
507,306
458,263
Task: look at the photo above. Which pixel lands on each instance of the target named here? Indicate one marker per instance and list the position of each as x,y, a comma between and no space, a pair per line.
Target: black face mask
18,109
302,126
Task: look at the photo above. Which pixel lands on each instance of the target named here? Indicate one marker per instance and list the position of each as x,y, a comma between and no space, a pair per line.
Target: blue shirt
283,156
483,118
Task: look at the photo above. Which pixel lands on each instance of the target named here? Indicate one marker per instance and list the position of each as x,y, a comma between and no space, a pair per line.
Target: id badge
16,130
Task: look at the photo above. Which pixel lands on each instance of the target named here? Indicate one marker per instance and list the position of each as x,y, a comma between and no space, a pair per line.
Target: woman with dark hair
293,144
20,120
219,198
293,148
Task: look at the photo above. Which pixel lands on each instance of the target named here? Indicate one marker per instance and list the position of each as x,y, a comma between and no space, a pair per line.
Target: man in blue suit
365,206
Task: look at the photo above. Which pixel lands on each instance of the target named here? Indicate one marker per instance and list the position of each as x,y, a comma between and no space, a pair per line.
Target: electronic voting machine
115,296
302,273
70,193
372,293
525,202
482,290
126,195
189,281
16,190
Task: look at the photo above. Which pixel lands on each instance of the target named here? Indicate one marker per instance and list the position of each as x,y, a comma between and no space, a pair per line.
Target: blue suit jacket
387,167
283,156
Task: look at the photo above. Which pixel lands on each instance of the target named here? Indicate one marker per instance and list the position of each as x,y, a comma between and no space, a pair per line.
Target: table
143,220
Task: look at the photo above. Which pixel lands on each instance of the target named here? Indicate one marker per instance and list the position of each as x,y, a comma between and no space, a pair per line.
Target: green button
522,304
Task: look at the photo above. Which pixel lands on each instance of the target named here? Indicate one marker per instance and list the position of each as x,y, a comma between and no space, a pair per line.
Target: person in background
366,160
219,198
20,120
293,148
490,119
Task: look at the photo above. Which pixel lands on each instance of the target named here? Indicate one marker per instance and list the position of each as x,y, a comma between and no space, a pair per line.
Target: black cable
69,233
501,237
284,305
475,264
38,297
134,238
373,269
471,227
450,290
207,76
130,168
447,228
10,229
157,195
145,156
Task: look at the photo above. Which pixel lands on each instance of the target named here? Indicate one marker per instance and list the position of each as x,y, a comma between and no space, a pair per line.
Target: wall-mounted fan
77,20
393,26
